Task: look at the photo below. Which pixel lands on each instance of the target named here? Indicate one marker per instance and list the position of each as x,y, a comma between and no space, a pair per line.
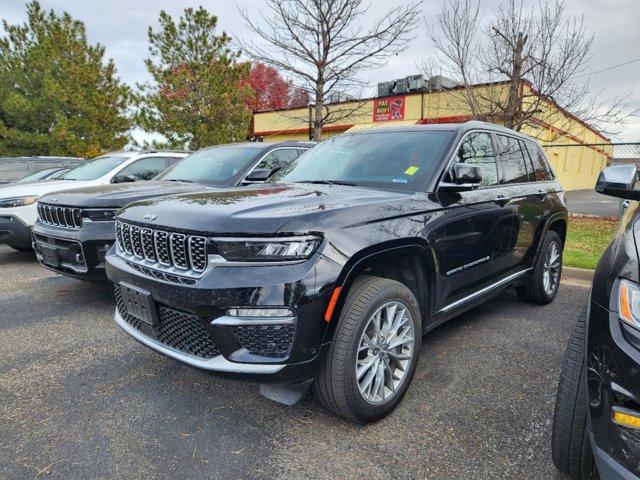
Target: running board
482,291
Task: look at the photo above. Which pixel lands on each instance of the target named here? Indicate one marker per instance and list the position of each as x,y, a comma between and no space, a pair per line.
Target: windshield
34,177
215,165
399,160
94,169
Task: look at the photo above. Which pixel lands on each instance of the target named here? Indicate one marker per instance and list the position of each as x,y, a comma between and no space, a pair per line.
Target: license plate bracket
50,256
139,303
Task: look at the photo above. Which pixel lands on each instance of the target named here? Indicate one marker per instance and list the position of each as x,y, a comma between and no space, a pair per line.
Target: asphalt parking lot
80,400
590,202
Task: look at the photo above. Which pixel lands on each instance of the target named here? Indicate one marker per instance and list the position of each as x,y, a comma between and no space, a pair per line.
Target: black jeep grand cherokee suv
596,426
331,275
77,249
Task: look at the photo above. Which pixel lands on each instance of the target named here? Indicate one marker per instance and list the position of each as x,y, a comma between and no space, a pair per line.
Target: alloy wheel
551,269
385,351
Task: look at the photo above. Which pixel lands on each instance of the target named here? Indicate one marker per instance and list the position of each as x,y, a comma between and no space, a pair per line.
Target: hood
119,195
37,188
276,208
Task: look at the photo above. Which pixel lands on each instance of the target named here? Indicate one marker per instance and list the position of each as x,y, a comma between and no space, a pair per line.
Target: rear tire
545,279
358,380
570,446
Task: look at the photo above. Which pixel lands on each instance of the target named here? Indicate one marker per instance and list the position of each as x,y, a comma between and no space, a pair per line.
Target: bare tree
323,46
541,46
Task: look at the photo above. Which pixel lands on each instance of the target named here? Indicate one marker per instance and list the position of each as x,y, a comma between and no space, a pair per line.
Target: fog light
260,312
626,418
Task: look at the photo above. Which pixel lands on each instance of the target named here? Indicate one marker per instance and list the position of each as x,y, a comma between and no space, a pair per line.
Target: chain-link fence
577,167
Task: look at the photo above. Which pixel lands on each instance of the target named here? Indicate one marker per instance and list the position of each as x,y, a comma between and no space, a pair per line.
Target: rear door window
541,171
513,168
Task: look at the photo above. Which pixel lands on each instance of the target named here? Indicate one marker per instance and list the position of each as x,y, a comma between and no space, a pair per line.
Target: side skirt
474,299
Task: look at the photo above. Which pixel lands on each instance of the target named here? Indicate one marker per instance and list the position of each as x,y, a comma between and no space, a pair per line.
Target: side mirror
465,177
259,175
123,178
619,181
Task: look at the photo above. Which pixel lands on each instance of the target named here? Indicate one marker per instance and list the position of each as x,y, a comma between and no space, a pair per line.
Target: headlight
18,201
629,302
101,215
267,250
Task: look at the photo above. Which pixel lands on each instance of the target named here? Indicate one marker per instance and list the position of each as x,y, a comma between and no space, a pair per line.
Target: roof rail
162,150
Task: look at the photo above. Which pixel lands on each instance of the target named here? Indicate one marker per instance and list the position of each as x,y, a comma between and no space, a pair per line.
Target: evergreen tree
200,91
58,95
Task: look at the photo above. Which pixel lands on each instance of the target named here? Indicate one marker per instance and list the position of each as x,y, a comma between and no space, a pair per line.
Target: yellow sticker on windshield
411,170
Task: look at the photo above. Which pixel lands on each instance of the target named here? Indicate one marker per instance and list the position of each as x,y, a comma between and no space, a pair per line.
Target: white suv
18,208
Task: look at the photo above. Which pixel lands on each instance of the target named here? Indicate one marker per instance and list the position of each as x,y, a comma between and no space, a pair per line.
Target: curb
575,274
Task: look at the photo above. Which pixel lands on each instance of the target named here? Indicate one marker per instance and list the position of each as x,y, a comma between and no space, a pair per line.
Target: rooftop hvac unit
384,89
338,96
439,82
401,85
416,83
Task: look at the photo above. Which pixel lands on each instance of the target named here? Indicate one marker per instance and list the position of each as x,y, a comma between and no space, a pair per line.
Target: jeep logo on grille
150,216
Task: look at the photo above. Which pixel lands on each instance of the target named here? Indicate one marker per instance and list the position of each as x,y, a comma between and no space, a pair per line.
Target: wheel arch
411,262
556,223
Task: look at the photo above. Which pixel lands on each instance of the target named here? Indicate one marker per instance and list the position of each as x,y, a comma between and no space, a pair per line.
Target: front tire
374,353
545,279
570,446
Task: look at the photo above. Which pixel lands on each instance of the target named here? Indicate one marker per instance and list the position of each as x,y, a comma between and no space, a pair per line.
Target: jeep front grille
160,249
65,217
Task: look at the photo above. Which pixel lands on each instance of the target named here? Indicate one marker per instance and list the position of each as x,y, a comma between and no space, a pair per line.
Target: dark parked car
330,276
77,248
596,427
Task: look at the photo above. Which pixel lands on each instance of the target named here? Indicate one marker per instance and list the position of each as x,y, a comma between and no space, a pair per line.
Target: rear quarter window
541,170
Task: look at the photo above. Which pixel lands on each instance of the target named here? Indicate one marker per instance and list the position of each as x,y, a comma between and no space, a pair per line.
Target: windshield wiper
328,182
179,180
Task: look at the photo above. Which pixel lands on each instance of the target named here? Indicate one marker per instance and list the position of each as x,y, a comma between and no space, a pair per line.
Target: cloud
121,26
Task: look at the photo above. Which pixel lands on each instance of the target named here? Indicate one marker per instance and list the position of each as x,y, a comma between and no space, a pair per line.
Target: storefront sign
390,108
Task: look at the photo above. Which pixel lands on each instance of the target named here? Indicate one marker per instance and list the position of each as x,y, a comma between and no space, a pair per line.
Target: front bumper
608,467
14,232
81,252
613,377
242,348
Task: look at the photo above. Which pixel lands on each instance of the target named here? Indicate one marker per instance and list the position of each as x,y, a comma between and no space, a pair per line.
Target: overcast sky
121,26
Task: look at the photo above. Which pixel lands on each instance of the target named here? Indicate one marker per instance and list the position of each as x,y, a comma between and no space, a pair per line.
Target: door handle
501,200
542,195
